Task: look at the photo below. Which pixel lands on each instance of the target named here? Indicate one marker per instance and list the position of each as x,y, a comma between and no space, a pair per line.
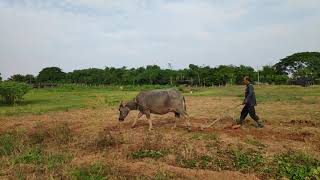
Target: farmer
249,102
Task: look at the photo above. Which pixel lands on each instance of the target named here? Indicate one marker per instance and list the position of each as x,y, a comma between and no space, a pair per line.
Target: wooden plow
222,115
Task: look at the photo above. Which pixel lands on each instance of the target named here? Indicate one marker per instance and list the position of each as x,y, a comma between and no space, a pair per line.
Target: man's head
124,111
246,80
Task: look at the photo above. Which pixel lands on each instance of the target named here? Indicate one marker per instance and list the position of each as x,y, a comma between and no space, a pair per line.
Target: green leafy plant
296,165
255,142
92,172
164,175
207,137
12,92
246,159
196,136
7,144
203,161
147,153
315,172
55,160
211,136
187,163
31,156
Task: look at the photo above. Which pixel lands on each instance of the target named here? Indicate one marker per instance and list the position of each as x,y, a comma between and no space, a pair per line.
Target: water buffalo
156,102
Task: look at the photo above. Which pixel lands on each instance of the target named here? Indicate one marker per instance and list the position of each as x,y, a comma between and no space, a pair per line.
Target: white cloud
93,33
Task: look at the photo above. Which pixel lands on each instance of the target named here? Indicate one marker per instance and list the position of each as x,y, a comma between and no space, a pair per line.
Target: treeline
193,75
299,65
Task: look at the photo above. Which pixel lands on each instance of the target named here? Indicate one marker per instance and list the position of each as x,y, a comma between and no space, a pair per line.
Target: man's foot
260,126
239,122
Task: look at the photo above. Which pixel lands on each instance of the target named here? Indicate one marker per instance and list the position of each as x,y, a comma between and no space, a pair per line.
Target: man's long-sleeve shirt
250,97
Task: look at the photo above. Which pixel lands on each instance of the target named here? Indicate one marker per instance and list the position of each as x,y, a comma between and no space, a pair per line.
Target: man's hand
244,102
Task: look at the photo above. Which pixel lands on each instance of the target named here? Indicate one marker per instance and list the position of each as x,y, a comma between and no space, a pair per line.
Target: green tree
87,76
150,75
225,74
0,77
168,76
267,74
242,71
194,73
51,74
304,64
153,71
21,78
17,78
141,78
281,79
30,79
116,75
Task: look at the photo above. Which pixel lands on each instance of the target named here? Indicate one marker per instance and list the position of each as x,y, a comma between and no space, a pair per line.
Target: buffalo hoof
202,127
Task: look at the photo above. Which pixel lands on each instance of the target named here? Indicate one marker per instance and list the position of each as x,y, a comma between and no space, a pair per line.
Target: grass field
73,133
40,101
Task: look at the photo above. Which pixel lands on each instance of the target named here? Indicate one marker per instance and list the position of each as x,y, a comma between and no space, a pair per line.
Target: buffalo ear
121,104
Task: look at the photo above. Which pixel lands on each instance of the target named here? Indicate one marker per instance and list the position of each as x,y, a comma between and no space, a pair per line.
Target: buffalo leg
149,120
187,119
177,116
135,120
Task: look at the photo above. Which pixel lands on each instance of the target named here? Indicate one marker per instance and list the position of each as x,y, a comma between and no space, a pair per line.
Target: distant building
302,81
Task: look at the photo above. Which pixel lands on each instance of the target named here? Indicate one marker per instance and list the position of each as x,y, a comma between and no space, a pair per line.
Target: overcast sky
75,34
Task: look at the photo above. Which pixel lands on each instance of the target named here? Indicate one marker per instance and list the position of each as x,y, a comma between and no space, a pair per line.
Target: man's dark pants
247,109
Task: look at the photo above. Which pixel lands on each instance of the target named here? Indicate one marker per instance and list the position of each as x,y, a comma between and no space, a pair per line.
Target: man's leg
243,115
254,116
